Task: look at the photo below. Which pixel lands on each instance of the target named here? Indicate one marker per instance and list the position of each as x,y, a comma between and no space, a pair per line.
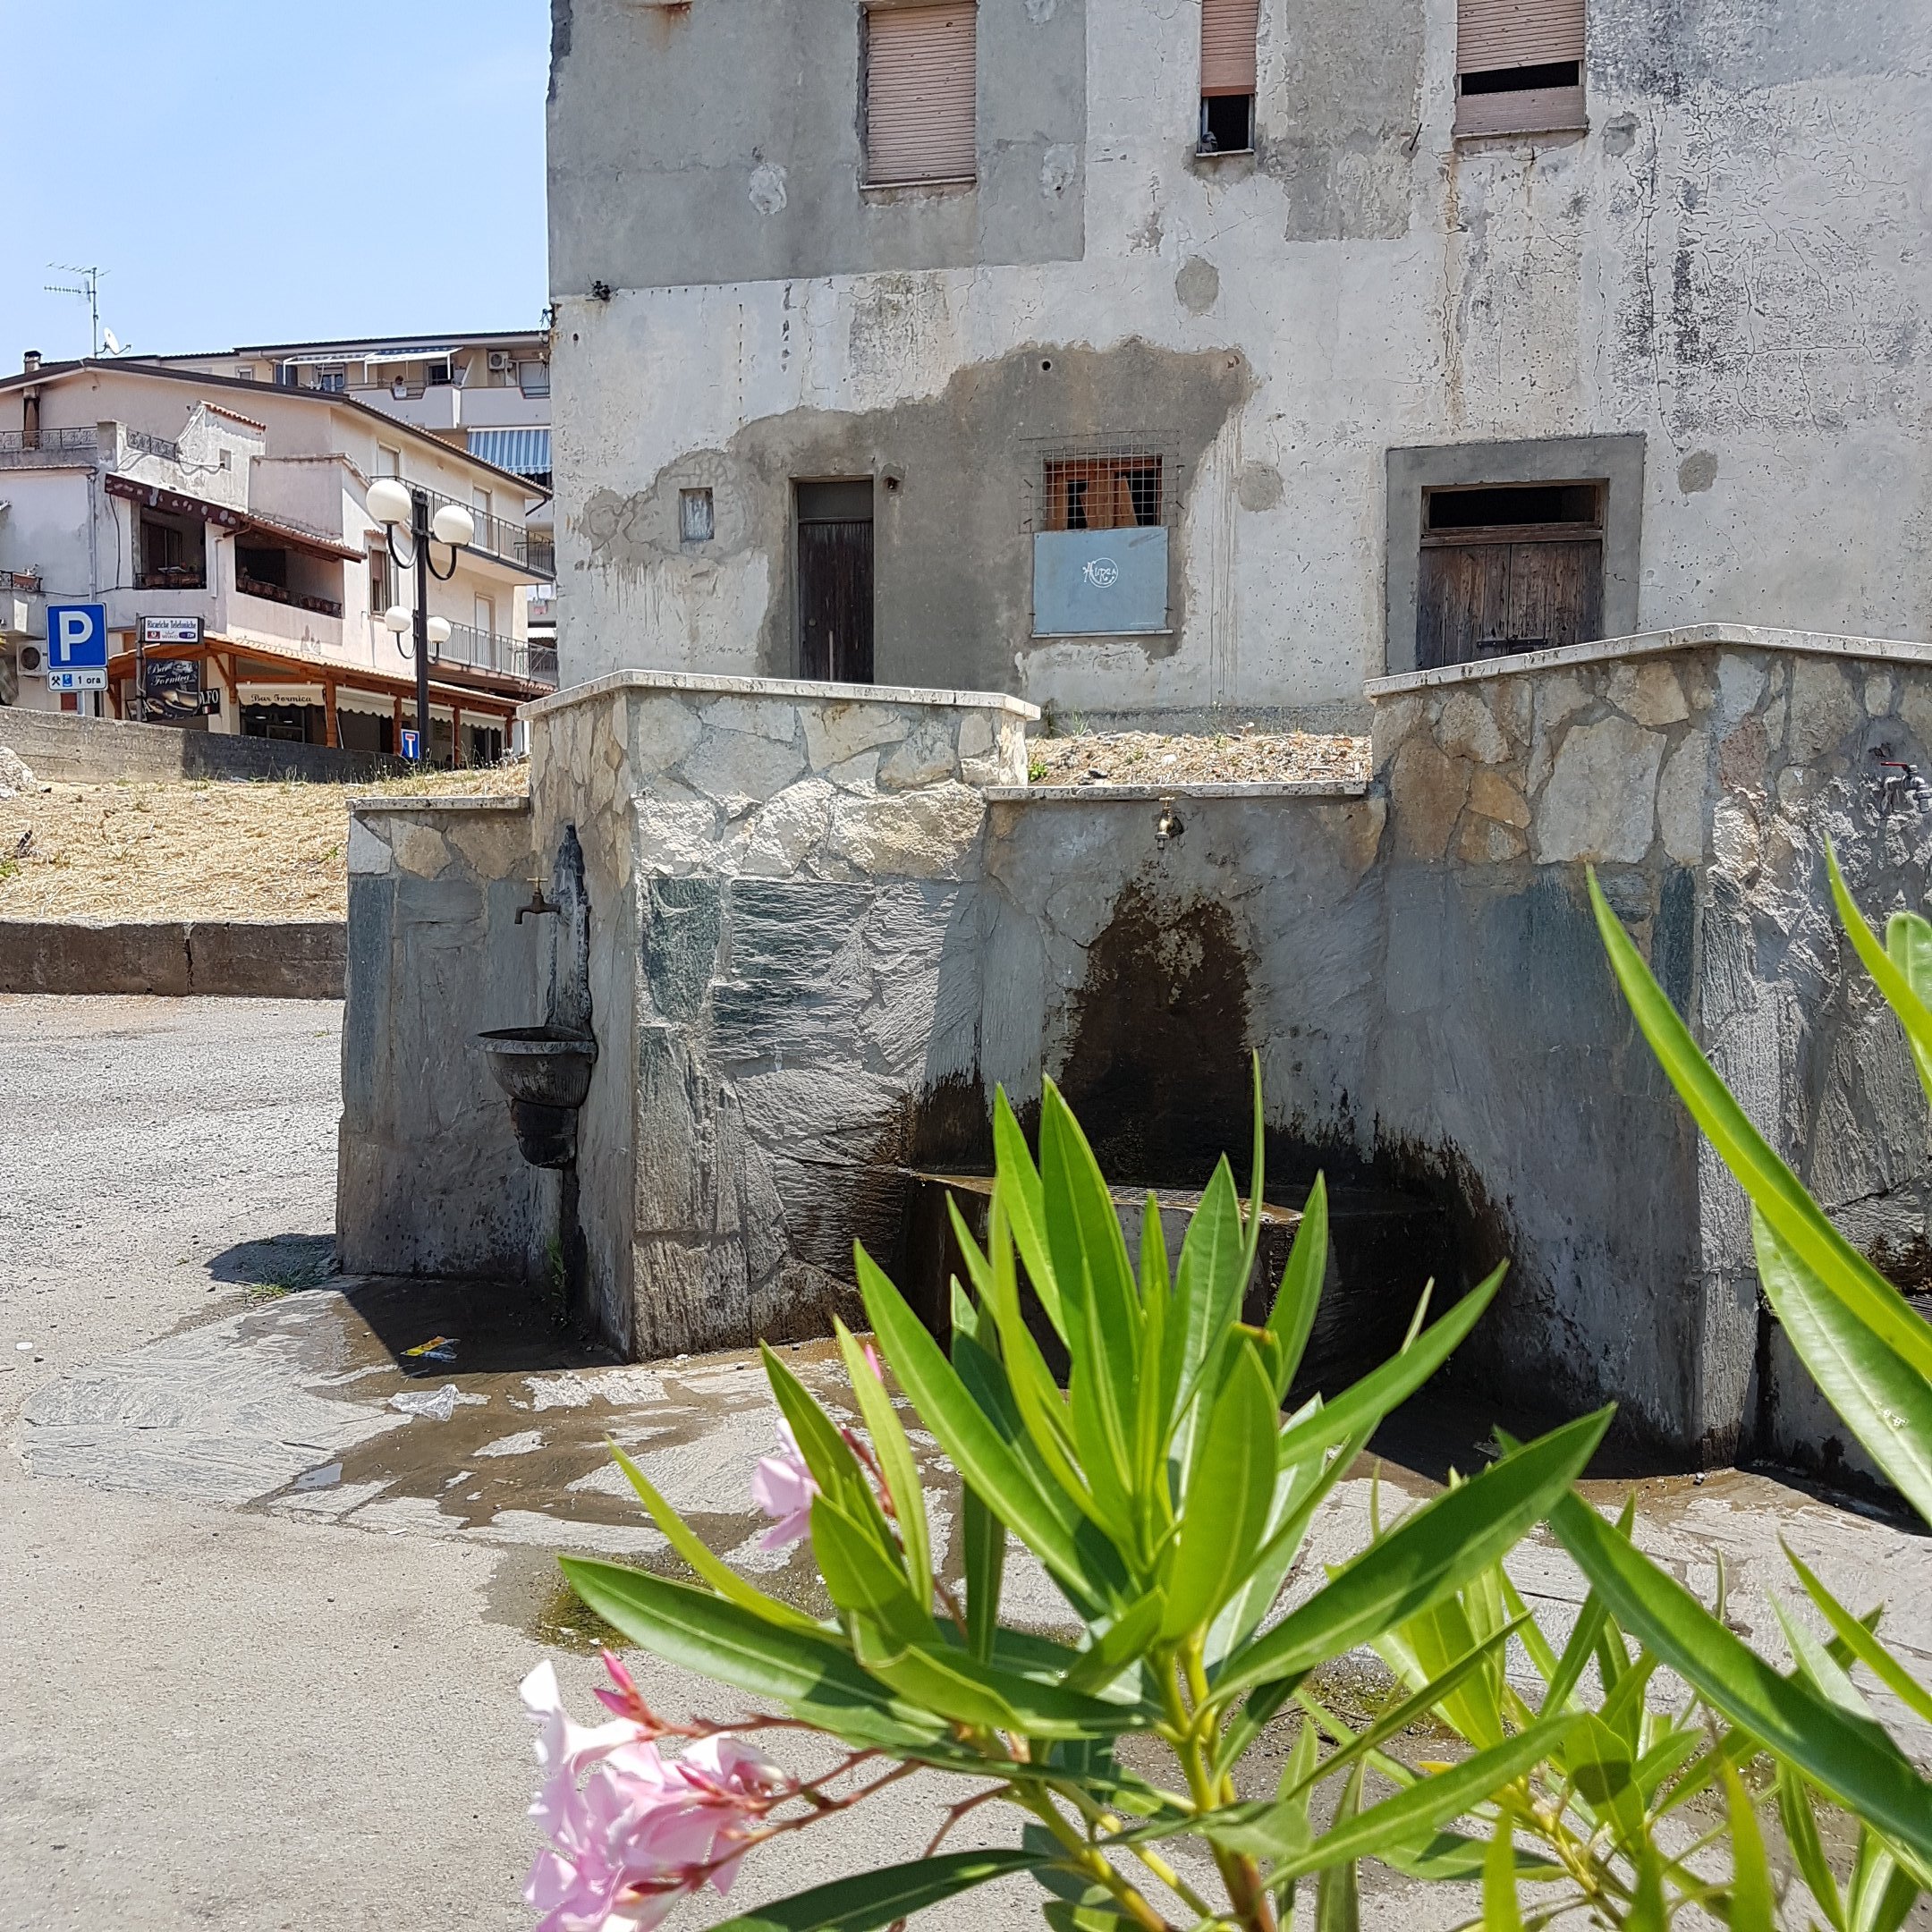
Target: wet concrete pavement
263,1624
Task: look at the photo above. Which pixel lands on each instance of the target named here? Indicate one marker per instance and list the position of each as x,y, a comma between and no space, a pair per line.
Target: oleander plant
1626,1777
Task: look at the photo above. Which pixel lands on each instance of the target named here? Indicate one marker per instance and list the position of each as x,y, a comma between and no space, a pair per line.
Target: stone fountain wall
1703,773
427,1181
827,923
789,971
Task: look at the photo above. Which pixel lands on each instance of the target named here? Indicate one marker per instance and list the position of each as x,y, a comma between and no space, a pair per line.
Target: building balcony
477,650
175,576
509,543
47,449
255,587
432,406
503,408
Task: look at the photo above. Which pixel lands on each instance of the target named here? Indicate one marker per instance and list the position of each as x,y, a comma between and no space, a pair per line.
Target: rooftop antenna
89,291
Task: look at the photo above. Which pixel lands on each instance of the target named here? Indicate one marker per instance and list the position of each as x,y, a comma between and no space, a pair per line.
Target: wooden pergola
492,695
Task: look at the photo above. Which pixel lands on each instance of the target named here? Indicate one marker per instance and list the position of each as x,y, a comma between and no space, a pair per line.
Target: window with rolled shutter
920,94
1519,65
1227,46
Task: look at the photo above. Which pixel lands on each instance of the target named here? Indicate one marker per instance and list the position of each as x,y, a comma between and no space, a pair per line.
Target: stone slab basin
1382,1248
541,1065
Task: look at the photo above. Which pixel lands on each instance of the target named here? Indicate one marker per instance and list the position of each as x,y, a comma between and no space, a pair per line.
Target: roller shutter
1517,33
1227,46
920,94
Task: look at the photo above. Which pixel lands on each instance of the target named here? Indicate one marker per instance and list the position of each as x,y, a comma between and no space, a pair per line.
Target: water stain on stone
1156,1064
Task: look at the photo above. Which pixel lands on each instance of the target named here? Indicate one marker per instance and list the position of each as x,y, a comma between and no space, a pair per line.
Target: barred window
1100,492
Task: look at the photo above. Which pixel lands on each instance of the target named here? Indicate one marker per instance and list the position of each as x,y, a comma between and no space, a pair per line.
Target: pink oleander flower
782,1487
626,1701
633,1833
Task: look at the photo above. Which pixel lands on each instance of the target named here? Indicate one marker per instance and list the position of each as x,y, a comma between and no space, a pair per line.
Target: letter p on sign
77,637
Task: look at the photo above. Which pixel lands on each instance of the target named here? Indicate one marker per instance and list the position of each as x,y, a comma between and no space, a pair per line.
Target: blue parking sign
77,637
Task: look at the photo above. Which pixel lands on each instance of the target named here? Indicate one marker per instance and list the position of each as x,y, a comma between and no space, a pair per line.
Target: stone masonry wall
826,922
428,1179
1703,774
784,971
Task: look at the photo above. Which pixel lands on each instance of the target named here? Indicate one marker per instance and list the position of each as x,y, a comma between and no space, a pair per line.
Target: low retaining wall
84,750
254,960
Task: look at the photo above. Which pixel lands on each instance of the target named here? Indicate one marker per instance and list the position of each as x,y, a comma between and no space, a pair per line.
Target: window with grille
1227,75
1100,540
1100,492
1519,66
920,94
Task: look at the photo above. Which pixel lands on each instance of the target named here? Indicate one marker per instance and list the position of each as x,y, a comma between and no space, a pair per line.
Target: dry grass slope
196,851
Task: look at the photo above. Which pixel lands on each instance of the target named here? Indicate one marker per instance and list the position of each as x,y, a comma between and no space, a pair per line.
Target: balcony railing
479,650
154,445
27,449
24,582
498,536
275,594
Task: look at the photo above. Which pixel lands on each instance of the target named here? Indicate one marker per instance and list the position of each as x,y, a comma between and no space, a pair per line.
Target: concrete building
1131,356
172,494
488,392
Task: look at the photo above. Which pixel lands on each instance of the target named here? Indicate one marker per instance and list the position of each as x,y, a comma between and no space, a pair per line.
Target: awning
298,539
522,452
225,516
342,358
254,662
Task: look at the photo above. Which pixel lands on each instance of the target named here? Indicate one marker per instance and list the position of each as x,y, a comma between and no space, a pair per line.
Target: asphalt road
262,1632
220,1714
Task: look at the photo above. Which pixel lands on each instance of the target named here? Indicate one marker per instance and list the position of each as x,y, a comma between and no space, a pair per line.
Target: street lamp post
391,502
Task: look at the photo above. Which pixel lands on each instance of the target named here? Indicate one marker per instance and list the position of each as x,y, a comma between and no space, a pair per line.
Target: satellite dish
113,347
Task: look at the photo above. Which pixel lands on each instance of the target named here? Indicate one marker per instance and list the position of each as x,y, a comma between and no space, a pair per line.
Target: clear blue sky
237,168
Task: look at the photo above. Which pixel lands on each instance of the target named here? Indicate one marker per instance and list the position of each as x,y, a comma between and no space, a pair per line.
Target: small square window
696,520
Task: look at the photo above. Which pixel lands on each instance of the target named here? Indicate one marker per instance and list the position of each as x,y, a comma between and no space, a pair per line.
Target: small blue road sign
412,744
76,646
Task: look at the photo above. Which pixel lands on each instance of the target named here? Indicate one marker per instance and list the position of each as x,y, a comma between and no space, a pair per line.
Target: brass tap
539,903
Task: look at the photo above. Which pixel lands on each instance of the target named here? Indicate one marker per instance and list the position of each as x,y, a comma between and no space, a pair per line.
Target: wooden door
1555,594
1462,598
1493,599
834,566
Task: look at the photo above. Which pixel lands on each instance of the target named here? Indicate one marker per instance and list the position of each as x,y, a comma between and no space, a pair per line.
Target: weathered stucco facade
824,924
1729,264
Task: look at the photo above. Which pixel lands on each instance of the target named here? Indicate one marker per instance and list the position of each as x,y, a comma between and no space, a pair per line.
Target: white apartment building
486,392
161,492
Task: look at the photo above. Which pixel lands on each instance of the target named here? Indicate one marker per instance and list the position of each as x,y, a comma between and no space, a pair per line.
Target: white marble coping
1134,794
1655,643
473,802
795,691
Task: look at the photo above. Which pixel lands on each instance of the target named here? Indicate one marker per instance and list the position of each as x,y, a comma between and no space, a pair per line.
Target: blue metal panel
1099,583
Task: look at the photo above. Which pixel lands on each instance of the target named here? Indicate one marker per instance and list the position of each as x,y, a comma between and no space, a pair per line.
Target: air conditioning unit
501,362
